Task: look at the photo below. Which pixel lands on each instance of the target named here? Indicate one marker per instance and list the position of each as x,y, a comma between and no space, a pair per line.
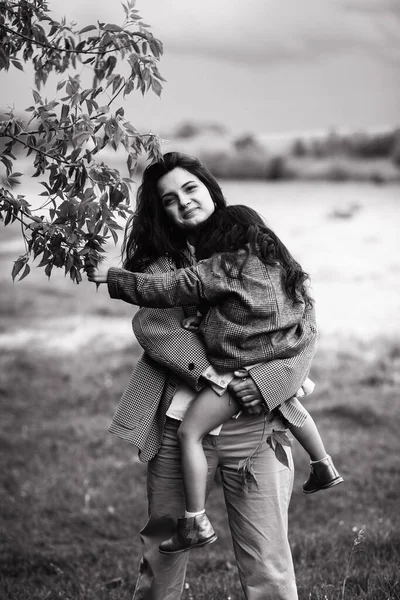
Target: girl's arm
199,284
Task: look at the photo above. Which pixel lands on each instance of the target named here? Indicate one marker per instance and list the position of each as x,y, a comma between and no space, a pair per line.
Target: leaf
87,28
129,87
26,272
37,97
246,470
48,269
156,87
17,64
8,164
18,265
46,258
114,235
276,441
271,442
115,197
64,112
281,436
281,455
11,181
53,30
112,27
242,465
113,224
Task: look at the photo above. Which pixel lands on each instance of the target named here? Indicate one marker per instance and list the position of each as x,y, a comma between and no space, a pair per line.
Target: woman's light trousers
258,517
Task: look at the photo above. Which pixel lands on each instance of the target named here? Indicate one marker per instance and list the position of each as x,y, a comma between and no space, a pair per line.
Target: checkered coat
172,352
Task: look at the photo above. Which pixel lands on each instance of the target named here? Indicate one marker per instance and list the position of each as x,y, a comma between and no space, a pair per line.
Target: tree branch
21,210
71,51
117,93
56,158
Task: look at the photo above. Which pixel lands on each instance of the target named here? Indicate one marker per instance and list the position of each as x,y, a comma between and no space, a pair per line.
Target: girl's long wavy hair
149,233
239,227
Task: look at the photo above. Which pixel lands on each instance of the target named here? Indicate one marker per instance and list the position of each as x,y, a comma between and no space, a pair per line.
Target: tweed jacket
250,318
171,352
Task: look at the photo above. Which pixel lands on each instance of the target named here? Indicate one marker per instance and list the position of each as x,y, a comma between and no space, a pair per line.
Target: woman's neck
191,238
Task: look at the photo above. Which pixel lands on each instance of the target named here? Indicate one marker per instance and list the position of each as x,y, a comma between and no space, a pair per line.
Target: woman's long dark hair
239,227
149,233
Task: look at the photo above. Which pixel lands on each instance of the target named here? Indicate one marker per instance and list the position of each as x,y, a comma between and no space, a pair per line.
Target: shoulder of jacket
161,264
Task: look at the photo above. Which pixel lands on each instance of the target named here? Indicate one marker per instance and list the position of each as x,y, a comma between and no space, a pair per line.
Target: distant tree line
363,156
357,145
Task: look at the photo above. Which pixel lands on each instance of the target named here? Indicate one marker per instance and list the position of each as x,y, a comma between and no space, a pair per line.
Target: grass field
72,496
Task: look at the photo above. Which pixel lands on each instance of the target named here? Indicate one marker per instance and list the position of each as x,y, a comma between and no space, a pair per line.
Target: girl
258,309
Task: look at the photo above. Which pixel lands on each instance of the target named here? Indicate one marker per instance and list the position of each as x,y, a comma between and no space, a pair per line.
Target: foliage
276,440
83,197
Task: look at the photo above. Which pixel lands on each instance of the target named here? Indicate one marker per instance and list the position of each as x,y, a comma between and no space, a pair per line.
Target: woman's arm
276,381
162,337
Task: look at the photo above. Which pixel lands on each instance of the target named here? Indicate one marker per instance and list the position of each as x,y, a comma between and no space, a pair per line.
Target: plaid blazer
172,352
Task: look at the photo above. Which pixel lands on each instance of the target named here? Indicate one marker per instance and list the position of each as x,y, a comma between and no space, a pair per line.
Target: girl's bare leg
206,412
308,436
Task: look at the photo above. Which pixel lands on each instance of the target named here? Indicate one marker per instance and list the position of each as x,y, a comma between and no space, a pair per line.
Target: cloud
375,6
265,30
260,31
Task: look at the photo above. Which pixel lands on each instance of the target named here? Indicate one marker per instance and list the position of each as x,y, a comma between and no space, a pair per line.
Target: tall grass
73,496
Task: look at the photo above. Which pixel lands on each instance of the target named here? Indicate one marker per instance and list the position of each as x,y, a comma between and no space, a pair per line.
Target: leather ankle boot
323,475
191,532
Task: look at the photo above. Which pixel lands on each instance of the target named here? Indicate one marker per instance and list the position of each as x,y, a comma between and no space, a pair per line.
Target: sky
266,66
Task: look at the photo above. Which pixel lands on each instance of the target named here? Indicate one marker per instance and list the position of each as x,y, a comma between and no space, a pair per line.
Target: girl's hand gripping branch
97,275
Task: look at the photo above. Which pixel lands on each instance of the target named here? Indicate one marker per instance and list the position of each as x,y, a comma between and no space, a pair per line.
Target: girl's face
186,200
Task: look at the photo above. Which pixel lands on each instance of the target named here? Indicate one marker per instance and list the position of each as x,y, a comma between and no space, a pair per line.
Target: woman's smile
189,212
186,200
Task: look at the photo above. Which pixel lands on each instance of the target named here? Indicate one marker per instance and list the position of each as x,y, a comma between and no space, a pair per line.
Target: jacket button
191,366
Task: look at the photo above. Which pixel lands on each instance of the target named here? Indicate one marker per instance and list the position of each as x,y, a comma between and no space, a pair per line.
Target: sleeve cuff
112,282
218,381
306,389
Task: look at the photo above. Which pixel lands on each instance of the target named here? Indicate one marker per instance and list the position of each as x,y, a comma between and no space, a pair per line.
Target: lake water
345,235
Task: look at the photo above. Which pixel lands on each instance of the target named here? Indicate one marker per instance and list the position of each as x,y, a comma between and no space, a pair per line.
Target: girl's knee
187,434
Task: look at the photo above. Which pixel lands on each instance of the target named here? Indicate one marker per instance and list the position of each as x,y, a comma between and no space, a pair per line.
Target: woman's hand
97,275
247,394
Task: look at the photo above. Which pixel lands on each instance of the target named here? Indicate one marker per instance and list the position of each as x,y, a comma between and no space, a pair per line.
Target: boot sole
199,545
326,486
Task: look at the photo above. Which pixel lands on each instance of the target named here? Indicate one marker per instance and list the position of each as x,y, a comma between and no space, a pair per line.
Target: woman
177,195
253,296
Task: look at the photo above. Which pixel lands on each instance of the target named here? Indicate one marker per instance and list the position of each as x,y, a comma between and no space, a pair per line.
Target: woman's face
186,200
